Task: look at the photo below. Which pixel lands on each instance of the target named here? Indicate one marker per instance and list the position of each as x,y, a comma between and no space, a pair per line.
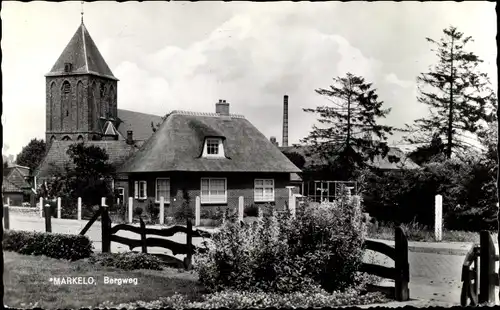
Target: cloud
393,79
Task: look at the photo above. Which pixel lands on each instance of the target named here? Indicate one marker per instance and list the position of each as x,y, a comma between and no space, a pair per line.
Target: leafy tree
32,154
350,123
458,95
87,177
297,159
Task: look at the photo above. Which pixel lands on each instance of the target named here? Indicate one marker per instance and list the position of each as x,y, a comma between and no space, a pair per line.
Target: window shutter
136,189
145,194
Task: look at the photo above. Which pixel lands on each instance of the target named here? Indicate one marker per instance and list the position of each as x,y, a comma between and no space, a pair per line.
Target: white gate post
41,206
130,209
241,203
58,207
162,210
197,211
79,208
292,205
438,221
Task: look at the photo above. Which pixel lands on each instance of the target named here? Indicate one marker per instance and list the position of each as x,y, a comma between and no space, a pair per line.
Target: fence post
103,201
438,220
79,208
241,204
58,207
130,209
189,243
162,210
48,218
41,207
105,226
292,205
6,220
144,244
197,211
487,268
402,291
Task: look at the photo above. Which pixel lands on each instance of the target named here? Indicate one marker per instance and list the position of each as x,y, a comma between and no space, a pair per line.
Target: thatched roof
178,144
394,160
117,150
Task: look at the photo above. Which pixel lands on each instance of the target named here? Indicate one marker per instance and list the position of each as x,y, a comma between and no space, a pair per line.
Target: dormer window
213,148
68,67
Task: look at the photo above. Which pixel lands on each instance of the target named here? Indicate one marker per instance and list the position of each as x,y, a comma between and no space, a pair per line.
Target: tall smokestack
285,121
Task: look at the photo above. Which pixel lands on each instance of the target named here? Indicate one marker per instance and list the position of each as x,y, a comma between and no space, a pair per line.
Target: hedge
127,260
60,246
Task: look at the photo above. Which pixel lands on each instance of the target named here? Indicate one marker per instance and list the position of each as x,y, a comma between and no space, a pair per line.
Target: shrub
118,213
212,213
322,246
153,211
251,210
259,300
127,261
182,210
60,246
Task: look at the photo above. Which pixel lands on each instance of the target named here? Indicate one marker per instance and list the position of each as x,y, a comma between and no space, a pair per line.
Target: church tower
81,92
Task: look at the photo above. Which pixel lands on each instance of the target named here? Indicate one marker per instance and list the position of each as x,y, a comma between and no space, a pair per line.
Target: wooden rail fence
109,234
478,273
400,273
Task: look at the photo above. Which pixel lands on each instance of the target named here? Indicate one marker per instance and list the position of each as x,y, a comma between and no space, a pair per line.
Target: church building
81,105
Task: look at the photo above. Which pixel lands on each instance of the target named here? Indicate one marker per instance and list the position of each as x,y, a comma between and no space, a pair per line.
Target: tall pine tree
459,96
351,135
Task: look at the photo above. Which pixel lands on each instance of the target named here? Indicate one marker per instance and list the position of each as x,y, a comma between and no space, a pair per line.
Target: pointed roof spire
82,11
81,56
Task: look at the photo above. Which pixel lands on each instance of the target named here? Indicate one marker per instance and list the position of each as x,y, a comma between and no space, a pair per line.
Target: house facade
217,157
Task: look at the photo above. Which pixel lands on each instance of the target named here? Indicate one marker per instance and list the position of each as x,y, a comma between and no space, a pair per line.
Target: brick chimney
285,121
130,137
222,107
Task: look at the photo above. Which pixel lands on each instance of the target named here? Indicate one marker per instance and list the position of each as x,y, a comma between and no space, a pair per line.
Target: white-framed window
140,190
120,195
213,148
213,190
264,190
163,189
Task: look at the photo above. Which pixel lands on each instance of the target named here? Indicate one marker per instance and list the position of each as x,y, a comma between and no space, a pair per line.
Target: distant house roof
139,123
117,150
178,144
9,187
399,158
18,176
84,57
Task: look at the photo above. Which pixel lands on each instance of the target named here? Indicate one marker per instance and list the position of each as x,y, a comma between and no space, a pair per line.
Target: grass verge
27,283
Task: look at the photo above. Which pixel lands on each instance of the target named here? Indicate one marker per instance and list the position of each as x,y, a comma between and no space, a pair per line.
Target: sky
186,56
